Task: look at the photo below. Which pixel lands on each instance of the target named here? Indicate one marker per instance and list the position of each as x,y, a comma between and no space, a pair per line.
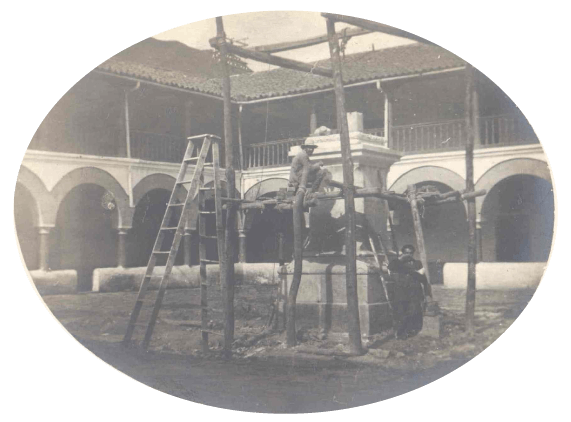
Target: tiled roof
397,61
174,78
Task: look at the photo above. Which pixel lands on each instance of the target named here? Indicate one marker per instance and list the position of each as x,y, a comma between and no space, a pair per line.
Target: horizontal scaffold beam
374,26
370,192
273,60
293,45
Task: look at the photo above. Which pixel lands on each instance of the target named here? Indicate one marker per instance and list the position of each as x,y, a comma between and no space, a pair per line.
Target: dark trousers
407,311
314,179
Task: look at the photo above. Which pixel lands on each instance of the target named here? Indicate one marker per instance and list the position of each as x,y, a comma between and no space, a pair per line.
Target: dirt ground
265,376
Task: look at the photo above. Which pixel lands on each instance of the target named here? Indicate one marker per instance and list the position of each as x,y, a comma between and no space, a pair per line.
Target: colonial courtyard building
95,180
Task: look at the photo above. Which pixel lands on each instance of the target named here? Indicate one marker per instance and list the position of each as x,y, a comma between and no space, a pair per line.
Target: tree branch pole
308,42
411,193
375,27
349,191
274,60
227,261
471,121
298,227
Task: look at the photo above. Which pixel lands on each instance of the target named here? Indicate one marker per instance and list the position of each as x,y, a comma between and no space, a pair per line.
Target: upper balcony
111,142
449,135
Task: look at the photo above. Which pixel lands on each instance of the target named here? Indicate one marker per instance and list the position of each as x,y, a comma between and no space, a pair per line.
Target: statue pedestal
371,163
322,298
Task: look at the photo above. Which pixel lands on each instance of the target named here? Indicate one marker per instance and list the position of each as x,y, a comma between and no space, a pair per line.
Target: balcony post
312,120
241,149
388,114
127,118
188,117
476,109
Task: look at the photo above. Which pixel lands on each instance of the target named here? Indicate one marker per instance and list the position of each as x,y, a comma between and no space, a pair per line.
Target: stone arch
192,221
508,168
153,181
45,207
93,175
260,189
429,173
263,228
266,186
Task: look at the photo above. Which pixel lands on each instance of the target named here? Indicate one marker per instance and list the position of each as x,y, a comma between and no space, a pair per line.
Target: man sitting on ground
411,290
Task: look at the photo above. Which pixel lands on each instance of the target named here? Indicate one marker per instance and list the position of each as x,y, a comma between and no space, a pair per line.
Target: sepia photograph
288,212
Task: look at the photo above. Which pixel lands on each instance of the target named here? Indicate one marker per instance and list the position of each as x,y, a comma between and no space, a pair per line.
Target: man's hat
409,247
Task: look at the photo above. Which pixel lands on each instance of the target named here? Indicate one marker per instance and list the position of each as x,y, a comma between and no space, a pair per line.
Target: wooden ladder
168,246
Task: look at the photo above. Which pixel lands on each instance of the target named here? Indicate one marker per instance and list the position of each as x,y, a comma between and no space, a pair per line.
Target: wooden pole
227,261
349,191
298,227
411,193
274,60
374,26
292,45
471,117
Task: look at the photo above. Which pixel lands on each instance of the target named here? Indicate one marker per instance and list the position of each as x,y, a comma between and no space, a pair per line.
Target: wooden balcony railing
427,137
450,135
157,147
495,131
111,142
270,154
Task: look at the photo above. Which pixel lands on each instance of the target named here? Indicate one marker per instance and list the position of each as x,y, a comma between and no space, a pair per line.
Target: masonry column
479,240
122,246
44,247
281,247
187,241
242,245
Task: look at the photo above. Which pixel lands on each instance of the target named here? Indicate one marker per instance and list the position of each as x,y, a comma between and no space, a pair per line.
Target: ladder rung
176,205
204,135
209,261
209,237
161,252
169,228
207,212
186,160
207,189
184,182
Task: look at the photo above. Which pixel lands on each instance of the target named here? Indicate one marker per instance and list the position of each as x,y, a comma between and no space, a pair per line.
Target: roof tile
391,62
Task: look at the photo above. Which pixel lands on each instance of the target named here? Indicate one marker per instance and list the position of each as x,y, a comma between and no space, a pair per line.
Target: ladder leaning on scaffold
168,245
